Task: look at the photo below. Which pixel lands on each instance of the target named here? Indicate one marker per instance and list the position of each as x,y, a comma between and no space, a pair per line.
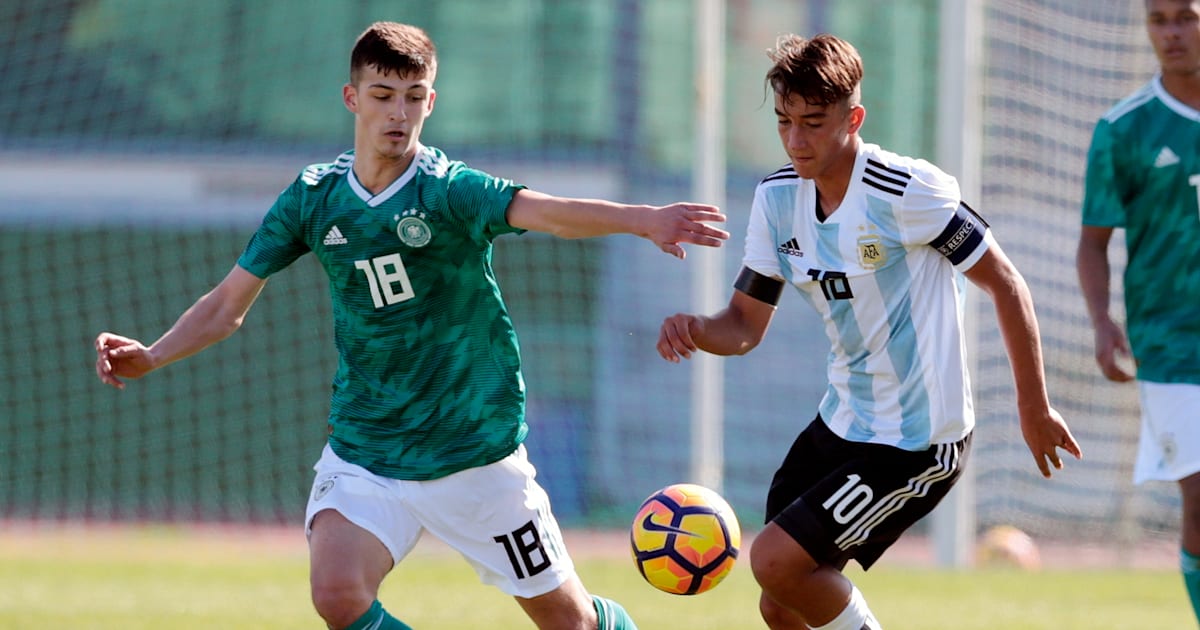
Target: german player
1143,176
427,420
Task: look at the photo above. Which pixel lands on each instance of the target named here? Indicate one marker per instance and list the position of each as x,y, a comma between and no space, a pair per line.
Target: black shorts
843,500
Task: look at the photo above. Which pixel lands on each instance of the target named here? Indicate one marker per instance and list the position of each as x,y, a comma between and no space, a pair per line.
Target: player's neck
833,184
376,172
1183,87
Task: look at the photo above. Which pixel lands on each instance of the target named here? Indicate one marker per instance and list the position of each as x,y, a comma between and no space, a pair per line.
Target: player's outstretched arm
1043,428
1091,263
735,330
665,226
212,318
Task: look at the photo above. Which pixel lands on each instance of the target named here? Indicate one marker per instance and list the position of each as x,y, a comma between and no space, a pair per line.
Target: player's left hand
1044,434
685,223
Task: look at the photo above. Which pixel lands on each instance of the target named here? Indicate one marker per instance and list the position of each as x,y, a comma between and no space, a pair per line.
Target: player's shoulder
316,175
890,173
783,176
1132,103
432,161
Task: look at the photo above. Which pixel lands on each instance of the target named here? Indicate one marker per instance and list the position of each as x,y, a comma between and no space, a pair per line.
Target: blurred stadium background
142,140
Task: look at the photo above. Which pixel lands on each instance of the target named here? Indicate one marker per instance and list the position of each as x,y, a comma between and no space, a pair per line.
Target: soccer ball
685,539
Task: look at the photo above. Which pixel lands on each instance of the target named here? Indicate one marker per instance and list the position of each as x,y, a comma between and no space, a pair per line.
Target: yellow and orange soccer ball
685,539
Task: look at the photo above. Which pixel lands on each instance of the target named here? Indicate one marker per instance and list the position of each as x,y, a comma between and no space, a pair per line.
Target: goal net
1052,68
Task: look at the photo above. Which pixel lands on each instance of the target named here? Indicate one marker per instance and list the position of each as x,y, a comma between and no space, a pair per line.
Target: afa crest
412,228
871,253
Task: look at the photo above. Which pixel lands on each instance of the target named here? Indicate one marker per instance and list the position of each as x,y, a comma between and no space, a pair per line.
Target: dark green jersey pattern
1144,175
429,380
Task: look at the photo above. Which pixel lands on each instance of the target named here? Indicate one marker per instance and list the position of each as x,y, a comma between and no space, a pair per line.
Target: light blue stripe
783,203
828,254
894,282
850,338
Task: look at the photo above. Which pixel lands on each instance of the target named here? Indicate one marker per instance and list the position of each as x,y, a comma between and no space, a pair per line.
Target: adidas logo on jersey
1166,157
791,248
334,237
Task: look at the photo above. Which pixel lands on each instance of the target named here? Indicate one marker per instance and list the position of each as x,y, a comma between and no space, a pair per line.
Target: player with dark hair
1143,175
427,417
877,243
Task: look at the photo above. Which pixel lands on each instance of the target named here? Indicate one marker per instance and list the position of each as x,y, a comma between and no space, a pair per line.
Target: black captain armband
760,287
962,235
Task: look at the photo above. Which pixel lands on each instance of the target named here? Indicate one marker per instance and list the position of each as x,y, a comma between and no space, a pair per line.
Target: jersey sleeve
479,201
1101,200
761,232
279,241
935,215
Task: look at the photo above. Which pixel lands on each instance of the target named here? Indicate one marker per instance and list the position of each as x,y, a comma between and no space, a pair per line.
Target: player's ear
430,100
350,97
858,114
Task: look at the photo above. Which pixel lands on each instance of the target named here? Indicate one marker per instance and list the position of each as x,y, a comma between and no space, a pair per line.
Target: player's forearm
577,218
1094,275
202,325
726,334
1022,340
592,217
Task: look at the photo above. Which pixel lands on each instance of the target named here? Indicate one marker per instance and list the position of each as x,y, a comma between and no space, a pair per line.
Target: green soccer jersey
1143,175
429,380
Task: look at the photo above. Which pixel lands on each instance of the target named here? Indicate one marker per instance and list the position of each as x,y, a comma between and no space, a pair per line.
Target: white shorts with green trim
496,516
1169,444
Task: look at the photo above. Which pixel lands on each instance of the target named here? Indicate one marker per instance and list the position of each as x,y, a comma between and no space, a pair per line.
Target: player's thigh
498,517
807,462
343,555
862,505
1169,444
357,522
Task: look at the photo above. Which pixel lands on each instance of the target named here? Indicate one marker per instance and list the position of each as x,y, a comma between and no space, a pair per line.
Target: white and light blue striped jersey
881,272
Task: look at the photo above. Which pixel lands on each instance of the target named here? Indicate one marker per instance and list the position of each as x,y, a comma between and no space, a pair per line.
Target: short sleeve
1101,200
930,201
761,236
279,241
479,201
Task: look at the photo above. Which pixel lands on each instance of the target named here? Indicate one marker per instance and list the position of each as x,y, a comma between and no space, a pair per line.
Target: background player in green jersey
1143,175
427,415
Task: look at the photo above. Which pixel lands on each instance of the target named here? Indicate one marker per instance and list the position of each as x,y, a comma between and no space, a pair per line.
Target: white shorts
1169,445
496,516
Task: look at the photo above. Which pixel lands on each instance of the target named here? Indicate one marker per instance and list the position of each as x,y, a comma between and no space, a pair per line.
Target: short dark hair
823,70
391,47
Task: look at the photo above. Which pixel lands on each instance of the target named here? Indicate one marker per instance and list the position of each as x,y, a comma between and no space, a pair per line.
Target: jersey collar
392,189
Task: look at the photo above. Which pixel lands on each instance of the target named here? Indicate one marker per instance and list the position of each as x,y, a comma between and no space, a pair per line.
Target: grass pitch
155,578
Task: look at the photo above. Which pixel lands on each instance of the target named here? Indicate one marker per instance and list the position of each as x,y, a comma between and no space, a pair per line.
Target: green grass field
158,578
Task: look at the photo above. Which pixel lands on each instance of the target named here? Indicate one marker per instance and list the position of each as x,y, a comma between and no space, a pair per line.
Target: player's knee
339,604
766,566
777,562
776,616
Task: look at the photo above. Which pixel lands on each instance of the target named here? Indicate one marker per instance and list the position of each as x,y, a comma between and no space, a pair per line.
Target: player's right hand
120,357
675,337
1111,348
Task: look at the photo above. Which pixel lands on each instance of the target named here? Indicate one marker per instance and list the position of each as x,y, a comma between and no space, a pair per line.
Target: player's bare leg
348,564
796,589
779,617
1189,557
570,607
